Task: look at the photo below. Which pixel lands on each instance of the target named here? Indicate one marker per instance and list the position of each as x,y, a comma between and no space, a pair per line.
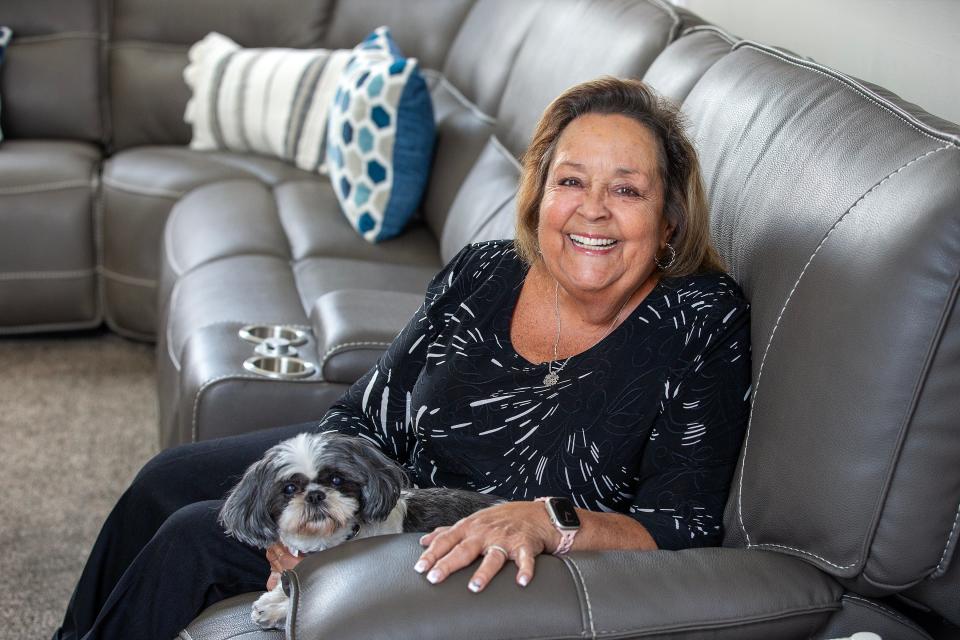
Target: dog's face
311,489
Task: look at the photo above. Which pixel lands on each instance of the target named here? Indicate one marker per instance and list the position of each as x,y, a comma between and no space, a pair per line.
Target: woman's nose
594,206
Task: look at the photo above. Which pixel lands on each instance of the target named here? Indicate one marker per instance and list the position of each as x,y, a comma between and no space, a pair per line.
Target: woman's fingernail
475,585
421,566
524,580
422,538
433,577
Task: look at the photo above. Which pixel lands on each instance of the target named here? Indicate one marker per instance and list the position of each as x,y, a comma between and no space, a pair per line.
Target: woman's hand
280,560
517,531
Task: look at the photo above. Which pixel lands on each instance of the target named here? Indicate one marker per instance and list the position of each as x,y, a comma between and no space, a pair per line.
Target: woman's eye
568,182
336,481
289,489
628,191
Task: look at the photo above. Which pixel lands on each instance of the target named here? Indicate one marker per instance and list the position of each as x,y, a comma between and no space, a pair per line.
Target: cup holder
258,333
279,367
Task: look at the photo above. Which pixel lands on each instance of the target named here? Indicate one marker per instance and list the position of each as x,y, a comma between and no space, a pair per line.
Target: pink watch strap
566,535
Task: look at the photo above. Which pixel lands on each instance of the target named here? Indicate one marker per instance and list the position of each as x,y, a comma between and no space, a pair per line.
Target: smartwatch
563,516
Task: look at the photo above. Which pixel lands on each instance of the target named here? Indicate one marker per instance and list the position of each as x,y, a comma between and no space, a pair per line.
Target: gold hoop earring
673,258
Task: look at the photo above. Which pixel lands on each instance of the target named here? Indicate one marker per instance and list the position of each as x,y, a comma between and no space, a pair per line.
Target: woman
602,357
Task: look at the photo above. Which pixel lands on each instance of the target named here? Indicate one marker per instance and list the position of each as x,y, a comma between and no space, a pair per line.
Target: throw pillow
5,35
268,101
380,137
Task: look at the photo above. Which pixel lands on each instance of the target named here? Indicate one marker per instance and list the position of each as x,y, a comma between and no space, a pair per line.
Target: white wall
911,47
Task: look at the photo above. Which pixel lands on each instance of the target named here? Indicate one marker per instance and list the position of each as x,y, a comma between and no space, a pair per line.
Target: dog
317,490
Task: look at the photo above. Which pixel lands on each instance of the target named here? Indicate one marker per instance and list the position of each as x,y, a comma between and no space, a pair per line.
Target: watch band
566,535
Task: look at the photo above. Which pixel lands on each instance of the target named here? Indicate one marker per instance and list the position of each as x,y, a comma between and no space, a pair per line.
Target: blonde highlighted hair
685,203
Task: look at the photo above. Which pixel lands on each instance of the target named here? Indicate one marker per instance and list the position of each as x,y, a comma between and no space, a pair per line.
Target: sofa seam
852,85
146,283
143,191
756,386
53,37
44,186
505,152
890,612
709,28
71,274
135,43
672,14
459,97
586,594
940,569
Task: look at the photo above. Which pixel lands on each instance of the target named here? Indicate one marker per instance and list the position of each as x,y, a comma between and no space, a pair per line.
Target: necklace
553,376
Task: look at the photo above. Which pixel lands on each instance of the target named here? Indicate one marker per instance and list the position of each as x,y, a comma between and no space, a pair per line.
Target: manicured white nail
524,580
433,577
474,586
422,538
421,566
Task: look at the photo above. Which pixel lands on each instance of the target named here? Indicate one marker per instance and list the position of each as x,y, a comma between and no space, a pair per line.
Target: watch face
564,512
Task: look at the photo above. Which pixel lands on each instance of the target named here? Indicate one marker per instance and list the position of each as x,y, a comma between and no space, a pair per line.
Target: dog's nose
316,497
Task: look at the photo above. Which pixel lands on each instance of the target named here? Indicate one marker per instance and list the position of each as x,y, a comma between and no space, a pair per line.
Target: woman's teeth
596,243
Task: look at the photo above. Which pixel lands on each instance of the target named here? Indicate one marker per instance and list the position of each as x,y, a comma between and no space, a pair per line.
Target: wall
911,47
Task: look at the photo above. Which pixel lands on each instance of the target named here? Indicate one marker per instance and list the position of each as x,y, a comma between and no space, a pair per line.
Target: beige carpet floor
77,420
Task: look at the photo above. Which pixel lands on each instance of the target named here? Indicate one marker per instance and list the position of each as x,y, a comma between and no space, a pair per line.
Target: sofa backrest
836,207
56,50
149,43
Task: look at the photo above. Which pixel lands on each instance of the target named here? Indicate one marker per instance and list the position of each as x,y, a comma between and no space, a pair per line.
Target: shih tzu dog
315,491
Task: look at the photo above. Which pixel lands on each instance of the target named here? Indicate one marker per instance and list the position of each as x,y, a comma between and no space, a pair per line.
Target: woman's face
601,217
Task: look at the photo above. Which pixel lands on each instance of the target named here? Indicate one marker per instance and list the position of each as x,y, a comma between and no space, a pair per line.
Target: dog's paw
270,609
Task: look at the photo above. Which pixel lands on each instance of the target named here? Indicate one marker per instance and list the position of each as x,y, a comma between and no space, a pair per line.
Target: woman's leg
188,565
173,479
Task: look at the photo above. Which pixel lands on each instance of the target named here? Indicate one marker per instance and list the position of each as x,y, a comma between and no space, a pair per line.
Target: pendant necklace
553,375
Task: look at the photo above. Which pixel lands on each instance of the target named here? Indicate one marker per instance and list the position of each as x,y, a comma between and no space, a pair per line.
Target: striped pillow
272,102
5,35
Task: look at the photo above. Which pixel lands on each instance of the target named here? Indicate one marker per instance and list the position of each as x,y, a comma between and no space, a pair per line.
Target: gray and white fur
317,490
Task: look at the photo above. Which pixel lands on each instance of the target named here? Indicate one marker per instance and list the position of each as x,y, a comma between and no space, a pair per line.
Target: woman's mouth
592,243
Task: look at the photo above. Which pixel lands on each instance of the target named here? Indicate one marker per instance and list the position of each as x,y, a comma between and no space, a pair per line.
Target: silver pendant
551,379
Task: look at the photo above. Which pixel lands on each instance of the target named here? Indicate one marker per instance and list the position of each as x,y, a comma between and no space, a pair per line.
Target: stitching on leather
462,99
47,275
756,386
709,28
506,152
131,280
674,17
44,186
875,605
941,567
852,85
143,191
53,37
586,595
343,346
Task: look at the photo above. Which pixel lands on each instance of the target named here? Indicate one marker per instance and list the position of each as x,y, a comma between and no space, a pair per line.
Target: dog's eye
336,481
289,489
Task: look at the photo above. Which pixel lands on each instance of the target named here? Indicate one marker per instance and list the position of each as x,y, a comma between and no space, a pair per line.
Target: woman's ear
246,513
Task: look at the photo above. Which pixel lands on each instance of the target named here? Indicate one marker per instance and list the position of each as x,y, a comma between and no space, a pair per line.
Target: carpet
78,418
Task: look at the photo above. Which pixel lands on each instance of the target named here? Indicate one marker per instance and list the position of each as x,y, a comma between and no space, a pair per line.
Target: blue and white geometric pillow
5,35
380,137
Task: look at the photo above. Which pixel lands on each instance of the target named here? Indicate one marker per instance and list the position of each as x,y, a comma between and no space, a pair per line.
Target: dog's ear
246,513
383,480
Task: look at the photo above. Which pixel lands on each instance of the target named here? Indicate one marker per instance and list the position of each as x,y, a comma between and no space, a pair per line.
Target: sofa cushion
273,102
48,259
380,138
681,65
836,211
56,51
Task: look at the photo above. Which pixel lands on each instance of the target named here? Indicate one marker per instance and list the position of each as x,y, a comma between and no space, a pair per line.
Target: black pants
161,558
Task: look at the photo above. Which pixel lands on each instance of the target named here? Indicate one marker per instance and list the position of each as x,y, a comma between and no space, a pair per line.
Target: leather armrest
368,589
354,326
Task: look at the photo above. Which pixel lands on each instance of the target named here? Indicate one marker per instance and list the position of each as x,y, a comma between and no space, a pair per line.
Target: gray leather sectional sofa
835,203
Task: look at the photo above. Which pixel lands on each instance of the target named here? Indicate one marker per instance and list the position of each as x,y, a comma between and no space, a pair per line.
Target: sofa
835,204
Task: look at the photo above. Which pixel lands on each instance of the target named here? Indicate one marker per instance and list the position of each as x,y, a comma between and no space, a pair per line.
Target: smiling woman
594,375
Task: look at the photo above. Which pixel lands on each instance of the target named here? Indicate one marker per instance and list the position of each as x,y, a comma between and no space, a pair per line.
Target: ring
496,547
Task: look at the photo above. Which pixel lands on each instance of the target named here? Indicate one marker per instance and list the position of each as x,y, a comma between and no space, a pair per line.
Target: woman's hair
685,204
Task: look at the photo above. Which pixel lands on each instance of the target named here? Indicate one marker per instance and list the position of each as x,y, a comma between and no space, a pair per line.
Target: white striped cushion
273,102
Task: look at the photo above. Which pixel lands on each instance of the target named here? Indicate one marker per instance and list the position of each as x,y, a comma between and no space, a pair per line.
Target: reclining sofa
835,203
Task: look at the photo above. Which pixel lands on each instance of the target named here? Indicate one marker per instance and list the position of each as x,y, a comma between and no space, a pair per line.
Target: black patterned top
649,421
